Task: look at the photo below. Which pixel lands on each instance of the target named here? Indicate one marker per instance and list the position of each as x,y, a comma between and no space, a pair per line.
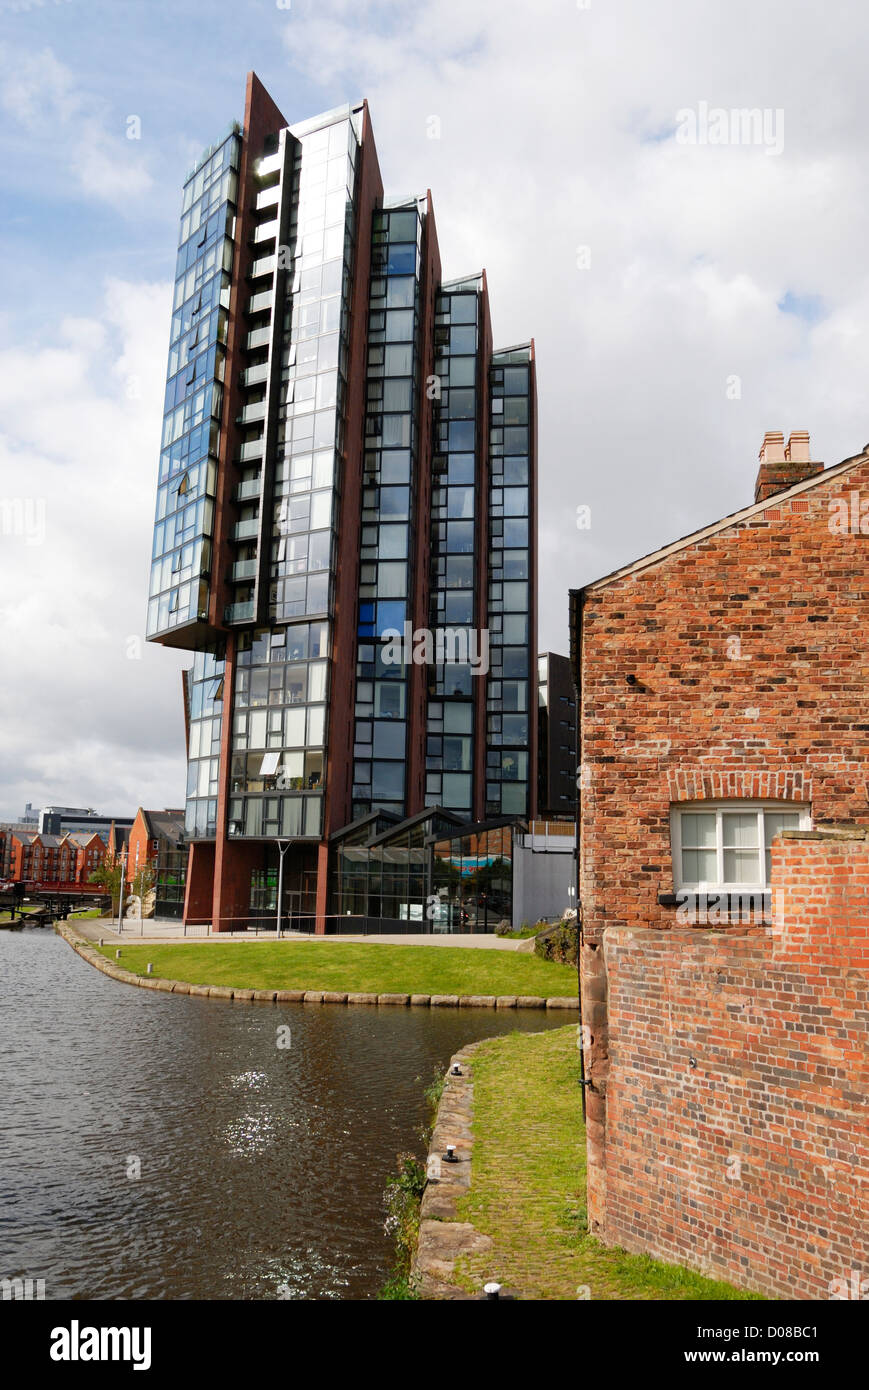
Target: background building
60,820
556,737
345,458
28,856
152,833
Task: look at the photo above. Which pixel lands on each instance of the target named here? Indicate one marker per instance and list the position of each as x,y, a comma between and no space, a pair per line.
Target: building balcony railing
246,530
254,375
260,337
268,197
238,612
266,231
243,569
264,266
268,165
248,490
251,413
253,449
262,300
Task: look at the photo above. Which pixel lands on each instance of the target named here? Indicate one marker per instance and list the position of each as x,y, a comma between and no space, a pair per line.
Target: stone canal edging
443,1237
88,952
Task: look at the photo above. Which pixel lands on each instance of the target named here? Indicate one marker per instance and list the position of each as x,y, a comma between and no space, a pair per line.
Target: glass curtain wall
279,731
314,345
281,683
472,876
170,879
454,564
508,714
206,688
387,876
389,493
184,523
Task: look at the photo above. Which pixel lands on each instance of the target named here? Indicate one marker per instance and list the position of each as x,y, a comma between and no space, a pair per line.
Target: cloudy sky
687,287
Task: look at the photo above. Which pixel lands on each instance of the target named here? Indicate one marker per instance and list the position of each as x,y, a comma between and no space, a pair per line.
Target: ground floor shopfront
429,873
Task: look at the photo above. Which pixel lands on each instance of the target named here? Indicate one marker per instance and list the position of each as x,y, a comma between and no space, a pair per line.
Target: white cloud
551,118
550,126
80,722
71,127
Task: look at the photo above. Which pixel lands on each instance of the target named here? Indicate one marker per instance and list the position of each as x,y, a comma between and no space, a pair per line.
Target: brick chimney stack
782,465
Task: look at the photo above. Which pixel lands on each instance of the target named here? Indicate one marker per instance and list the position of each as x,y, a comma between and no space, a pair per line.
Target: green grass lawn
528,1185
351,967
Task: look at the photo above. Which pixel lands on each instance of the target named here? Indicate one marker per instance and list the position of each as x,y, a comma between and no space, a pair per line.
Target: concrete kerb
444,1238
83,947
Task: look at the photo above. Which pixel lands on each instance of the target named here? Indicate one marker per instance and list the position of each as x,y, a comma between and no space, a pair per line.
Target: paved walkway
155,931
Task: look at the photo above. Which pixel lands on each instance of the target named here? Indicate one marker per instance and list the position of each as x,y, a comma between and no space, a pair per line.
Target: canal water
162,1147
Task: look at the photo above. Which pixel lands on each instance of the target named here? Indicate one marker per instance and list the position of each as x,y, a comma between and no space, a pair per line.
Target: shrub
559,943
433,1092
402,1198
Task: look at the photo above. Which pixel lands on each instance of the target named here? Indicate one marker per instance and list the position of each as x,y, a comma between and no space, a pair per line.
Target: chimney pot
781,468
798,447
772,450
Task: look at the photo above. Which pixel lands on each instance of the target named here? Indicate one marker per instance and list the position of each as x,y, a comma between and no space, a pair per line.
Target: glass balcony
268,197
260,337
264,266
252,450
246,530
266,231
251,413
249,490
254,375
261,301
243,569
269,164
238,612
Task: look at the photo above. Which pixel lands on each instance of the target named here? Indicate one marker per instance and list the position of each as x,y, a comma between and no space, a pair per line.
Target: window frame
719,809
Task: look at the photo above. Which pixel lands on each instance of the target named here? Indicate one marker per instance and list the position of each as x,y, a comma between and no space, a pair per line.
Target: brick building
722,685
90,851
118,839
32,857
736,1137
153,833
727,667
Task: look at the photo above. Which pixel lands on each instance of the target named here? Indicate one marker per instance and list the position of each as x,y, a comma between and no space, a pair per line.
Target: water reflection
261,1168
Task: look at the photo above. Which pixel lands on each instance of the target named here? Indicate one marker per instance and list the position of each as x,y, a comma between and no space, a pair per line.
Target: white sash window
725,847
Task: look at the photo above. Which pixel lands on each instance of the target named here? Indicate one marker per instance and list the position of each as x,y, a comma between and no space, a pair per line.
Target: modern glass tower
345,534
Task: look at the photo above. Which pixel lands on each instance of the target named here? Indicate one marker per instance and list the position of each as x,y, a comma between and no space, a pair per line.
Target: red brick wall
749,675
139,847
736,1138
749,653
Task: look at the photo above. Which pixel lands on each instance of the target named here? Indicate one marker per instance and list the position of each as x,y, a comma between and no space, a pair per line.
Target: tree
143,881
108,877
